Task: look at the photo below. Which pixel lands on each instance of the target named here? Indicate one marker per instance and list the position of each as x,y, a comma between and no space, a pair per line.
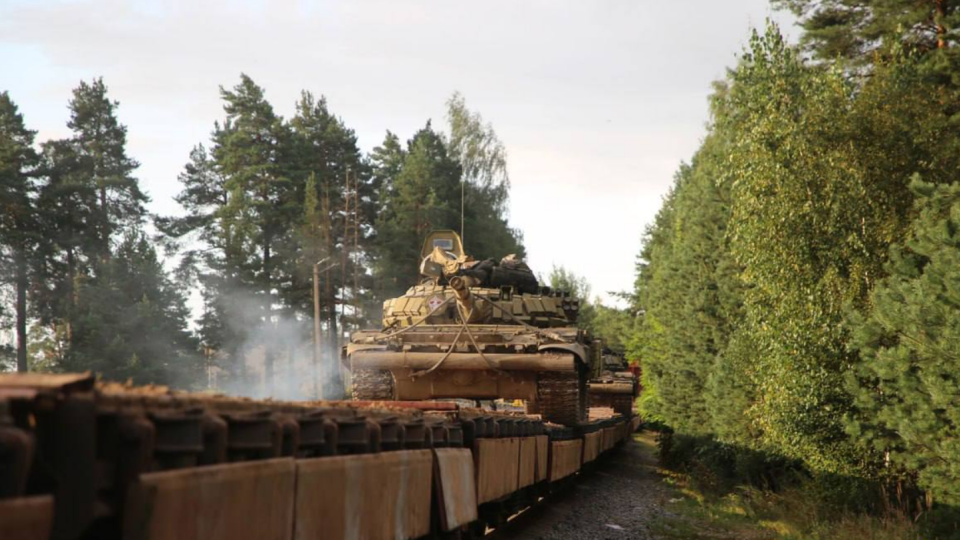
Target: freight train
85,460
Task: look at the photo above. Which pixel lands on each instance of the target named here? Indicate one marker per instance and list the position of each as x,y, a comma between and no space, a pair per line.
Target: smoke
270,353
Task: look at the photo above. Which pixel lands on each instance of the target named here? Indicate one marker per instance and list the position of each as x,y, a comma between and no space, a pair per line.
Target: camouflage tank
614,384
477,330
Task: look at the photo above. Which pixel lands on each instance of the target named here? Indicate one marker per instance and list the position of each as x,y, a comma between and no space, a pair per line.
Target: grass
694,511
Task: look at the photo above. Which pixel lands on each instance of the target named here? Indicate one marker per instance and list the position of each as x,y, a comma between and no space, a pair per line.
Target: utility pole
317,347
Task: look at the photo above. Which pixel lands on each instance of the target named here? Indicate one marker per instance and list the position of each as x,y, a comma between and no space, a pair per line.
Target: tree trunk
21,311
105,224
268,352
941,31
71,295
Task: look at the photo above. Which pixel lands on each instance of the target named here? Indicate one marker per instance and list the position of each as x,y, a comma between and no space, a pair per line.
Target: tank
615,384
476,330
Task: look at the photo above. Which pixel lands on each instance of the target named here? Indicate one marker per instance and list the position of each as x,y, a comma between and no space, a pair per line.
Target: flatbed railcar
84,460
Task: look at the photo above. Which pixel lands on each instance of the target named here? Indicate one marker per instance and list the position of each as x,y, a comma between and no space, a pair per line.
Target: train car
83,460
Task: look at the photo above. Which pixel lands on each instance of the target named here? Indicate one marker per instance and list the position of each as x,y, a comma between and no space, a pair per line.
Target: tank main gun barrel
466,300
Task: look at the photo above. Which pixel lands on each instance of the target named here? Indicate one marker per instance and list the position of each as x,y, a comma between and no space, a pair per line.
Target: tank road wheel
562,397
372,385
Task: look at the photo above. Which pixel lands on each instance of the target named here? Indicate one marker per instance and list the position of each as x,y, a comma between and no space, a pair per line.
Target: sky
598,102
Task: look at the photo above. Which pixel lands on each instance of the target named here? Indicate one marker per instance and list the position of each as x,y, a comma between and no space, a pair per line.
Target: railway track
83,460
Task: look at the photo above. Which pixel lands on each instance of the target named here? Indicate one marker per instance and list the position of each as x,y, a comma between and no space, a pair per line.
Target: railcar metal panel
251,500
497,462
456,486
27,518
565,458
382,496
543,457
528,462
591,446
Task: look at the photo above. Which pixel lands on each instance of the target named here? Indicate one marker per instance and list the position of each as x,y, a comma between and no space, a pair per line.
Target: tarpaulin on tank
509,272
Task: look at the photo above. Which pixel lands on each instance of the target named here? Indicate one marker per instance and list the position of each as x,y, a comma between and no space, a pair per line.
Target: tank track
372,385
623,405
562,397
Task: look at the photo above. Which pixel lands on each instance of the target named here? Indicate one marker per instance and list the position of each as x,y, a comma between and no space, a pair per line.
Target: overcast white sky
597,101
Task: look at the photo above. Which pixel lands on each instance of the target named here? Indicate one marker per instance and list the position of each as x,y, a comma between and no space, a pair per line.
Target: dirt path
621,499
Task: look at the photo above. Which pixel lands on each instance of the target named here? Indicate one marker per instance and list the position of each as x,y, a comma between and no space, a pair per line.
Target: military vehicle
614,384
479,330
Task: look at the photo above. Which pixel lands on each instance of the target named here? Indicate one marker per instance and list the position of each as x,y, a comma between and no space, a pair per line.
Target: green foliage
130,323
561,279
779,229
905,384
860,29
688,294
420,189
18,234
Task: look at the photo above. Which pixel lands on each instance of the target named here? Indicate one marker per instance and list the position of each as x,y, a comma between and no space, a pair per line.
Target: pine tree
424,196
906,384
88,197
131,323
251,151
857,29
99,143
327,151
18,226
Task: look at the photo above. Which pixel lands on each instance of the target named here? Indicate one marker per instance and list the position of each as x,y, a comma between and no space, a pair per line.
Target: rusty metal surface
467,384
26,518
456,487
564,458
48,381
497,463
377,497
222,502
418,405
116,461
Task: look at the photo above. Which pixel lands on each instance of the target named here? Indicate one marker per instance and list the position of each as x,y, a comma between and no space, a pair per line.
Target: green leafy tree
18,227
561,279
485,182
816,172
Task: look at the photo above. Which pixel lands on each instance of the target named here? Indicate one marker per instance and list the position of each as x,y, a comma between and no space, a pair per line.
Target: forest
798,295
796,309
93,281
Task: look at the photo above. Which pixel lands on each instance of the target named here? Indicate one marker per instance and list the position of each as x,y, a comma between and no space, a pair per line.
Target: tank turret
478,330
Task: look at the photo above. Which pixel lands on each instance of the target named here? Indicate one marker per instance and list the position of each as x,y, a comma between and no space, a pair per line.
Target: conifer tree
99,143
906,384
423,196
88,197
18,226
130,323
856,29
